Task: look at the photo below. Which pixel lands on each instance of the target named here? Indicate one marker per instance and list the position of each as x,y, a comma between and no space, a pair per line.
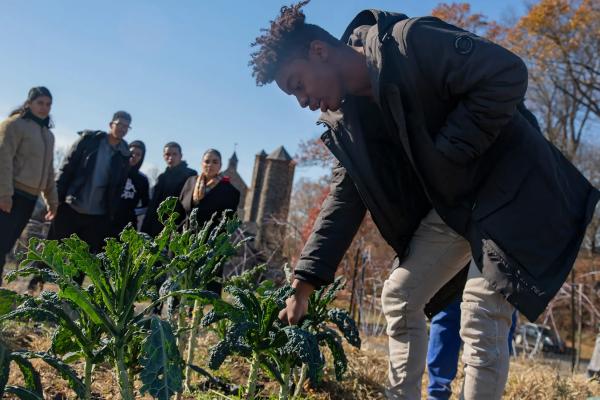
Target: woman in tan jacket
26,162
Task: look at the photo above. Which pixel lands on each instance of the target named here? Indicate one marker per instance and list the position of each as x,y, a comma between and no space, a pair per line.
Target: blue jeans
444,346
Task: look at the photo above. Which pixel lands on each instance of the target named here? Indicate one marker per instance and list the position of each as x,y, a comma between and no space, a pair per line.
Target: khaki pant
436,254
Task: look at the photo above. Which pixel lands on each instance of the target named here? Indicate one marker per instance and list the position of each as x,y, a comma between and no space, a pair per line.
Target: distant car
529,335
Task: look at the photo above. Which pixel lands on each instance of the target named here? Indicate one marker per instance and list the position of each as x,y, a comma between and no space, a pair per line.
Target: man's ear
319,50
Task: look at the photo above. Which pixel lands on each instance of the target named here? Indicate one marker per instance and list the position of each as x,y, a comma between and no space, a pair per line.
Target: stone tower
237,182
253,197
268,202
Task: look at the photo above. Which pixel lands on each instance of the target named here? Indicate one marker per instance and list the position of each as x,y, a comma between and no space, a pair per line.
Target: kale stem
284,389
197,314
303,374
124,383
88,378
252,377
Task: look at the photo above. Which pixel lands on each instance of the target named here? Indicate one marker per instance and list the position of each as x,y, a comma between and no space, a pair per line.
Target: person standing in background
211,194
26,162
169,183
90,183
135,195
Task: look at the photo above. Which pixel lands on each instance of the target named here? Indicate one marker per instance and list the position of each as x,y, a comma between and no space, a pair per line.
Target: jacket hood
179,168
140,145
367,18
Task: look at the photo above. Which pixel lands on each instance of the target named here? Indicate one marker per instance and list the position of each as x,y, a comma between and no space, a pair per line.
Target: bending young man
428,125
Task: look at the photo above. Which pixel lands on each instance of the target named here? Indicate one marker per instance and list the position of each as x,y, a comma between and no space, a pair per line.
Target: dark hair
121,115
34,93
215,152
289,37
173,144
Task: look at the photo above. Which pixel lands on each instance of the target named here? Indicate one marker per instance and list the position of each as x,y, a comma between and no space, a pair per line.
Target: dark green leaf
162,372
210,318
23,393
302,347
63,342
66,372
346,325
27,313
334,342
218,354
81,298
247,279
8,300
4,366
30,375
271,368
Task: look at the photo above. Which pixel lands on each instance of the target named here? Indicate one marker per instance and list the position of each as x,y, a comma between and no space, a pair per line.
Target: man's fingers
283,316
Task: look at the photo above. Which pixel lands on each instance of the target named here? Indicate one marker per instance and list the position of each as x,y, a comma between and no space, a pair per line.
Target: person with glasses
26,158
90,182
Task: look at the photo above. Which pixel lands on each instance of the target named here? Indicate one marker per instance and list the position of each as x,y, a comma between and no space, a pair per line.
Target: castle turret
273,205
253,197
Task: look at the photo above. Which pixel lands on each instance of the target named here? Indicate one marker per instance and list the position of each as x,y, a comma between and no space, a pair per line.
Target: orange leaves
459,14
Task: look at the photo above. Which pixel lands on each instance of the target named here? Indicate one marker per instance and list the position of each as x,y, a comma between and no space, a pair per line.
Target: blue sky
179,67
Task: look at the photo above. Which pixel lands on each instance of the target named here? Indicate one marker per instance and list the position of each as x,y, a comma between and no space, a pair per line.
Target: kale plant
255,332
199,254
317,321
110,328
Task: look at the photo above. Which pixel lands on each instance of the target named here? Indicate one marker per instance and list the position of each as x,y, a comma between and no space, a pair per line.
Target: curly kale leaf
210,318
234,342
302,347
334,343
247,279
218,354
346,325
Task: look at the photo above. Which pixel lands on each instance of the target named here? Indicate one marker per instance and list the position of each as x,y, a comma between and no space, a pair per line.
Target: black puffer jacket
78,167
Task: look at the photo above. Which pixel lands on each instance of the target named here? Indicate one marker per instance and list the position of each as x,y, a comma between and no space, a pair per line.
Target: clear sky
179,67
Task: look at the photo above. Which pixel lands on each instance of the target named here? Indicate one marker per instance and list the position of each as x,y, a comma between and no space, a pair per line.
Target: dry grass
365,379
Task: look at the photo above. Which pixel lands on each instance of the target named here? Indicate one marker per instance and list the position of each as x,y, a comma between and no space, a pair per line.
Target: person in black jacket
169,183
211,194
90,183
427,124
135,195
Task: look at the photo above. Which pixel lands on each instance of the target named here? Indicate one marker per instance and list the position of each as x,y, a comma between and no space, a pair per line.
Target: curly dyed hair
289,37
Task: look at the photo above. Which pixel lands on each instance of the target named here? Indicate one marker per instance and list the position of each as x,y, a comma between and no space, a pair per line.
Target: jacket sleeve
9,142
69,166
486,81
49,193
144,193
337,223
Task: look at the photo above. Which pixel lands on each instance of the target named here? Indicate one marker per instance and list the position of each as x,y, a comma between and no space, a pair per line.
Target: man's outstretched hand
296,306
